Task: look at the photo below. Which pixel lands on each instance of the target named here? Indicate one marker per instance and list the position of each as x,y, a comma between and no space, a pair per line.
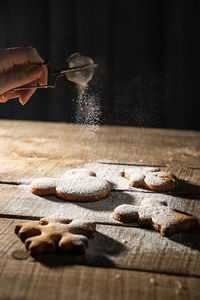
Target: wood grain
17,200
124,248
121,144
24,170
28,280
188,178
36,149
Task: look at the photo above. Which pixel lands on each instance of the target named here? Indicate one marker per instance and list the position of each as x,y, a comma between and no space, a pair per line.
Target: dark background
148,53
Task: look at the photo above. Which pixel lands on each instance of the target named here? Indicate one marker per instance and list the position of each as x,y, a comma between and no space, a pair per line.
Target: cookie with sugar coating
87,188
135,177
160,181
150,178
162,218
50,235
43,186
78,185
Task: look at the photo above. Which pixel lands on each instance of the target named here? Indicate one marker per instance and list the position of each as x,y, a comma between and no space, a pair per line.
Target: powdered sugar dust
88,113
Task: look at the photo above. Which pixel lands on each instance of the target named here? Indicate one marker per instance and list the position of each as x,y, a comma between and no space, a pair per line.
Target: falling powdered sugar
88,114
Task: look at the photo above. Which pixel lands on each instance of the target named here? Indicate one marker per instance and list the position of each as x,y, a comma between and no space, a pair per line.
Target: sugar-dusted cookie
135,177
150,178
87,188
160,217
43,186
78,172
78,185
160,181
50,235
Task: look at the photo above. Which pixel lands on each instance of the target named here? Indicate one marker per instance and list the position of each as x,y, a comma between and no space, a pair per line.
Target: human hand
18,68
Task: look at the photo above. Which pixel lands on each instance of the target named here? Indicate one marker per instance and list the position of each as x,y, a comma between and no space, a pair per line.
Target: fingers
8,96
23,95
12,63
19,77
43,78
26,94
20,56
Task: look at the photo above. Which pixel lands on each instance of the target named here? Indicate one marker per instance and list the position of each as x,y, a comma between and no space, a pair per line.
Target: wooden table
37,149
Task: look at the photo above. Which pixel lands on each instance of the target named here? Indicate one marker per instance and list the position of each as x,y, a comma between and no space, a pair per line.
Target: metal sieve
78,68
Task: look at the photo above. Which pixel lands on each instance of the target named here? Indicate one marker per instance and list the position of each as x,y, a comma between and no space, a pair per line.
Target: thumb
19,76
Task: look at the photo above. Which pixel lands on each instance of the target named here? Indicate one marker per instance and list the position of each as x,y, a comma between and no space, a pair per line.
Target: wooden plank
120,247
24,170
28,279
17,200
31,145
188,178
31,129
121,144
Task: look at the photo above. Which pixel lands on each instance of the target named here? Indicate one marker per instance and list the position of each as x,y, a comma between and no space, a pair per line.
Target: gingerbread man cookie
76,185
50,235
150,178
157,215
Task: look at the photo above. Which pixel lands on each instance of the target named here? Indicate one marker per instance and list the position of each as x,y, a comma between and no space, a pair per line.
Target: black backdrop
148,52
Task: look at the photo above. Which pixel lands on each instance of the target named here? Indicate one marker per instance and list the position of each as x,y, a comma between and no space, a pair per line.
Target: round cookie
160,181
87,188
78,172
43,186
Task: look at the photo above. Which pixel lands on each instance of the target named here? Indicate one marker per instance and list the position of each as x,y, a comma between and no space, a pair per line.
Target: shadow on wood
187,187
95,205
189,238
97,254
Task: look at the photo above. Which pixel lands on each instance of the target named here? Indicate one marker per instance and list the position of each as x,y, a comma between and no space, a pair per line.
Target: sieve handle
33,87
56,74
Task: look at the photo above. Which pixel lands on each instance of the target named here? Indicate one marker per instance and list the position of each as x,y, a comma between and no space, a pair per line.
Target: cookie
51,235
43,186
135,177
83,188
150,178
162,218
78,185
160,181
